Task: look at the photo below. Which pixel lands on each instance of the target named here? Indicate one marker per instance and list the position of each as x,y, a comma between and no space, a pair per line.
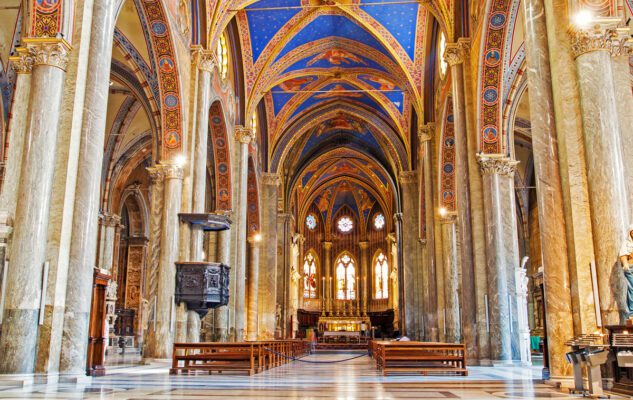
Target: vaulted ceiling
336,79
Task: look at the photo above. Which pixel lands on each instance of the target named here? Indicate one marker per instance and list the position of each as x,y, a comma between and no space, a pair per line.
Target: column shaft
365,274
605,166
205,67
548,189
221,314
161,346
244,137
455,58
83,244
451,278
501,249
624,104
428,249
330,277
268,261
28,247
22,64
410,247
253,288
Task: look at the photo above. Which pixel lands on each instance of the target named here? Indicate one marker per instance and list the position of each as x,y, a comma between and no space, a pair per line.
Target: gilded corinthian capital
453,54
497,164
52,52
425,132
165,170
243,134
205,60
271,179
22,63
612,40
408,177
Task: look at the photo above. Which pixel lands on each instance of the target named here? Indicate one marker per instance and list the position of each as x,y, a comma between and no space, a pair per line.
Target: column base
18,341
27,380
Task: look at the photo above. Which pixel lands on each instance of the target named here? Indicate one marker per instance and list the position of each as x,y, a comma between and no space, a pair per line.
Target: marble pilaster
22,64
221,314
501,249
549,191
451,278
605,166
284,241
87,194
109,225
244,136
455,54
28,247
429,289
253,288
161,345
268,259
408,182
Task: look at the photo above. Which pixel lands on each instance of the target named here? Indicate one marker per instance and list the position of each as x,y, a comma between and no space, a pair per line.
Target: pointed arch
221,156
447,158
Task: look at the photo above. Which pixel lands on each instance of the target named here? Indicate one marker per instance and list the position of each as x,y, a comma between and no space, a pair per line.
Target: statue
626,257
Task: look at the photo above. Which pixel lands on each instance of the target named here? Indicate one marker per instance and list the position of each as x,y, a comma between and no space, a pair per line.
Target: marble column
205,64
572,163
451,277
549,191
622,52
455,55
268,260
28,246
431,331
161,345
83,242
284,241
410,246
501,249
330,277
605,166
109,226
221,314
22,64
193,327
244,136
253,287
398,320
365,274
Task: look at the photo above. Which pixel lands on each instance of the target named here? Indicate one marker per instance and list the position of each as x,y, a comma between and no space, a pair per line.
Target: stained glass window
345,278
441,52
311,222
379,221
222,54
345,224
309,277
381,277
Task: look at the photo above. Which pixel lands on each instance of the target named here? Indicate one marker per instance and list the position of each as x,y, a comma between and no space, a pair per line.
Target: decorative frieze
244,134
491,164
52,52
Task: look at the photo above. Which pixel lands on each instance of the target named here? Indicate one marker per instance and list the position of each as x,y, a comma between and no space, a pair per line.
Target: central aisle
356,379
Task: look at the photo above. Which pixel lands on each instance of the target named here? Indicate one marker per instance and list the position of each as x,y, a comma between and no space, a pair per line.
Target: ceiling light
583,19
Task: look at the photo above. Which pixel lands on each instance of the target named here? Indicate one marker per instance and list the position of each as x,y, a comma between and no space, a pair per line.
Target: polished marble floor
356,379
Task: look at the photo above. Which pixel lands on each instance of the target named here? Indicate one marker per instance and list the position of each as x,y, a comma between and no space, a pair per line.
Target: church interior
312,199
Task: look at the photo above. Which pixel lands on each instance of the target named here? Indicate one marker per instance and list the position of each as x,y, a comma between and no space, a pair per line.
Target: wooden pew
419,357
249,357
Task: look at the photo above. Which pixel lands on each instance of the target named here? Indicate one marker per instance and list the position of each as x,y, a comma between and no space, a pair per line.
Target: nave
356,379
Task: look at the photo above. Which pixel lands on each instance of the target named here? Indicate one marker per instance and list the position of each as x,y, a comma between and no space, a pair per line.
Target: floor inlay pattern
357,379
